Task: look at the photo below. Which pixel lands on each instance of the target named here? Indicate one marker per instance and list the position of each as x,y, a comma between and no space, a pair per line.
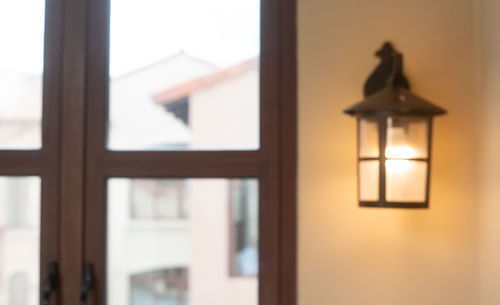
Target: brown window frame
45,162
74,164
273,164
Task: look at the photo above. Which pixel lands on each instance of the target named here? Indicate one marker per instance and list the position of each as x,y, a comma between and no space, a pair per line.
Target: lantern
394,138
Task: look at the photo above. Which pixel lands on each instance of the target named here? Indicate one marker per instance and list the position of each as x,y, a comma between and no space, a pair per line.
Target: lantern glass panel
407,137
406,180
368,138
368,180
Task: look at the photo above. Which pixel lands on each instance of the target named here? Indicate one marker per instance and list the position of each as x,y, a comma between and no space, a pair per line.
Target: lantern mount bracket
388,73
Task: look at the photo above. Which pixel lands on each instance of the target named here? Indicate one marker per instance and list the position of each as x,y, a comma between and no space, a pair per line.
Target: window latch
51,282
88,281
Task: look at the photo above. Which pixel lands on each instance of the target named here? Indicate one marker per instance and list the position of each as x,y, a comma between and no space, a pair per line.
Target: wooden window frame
74,164
274,164
45,162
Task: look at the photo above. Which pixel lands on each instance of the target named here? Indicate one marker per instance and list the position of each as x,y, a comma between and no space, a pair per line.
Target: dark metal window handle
51,282
87,283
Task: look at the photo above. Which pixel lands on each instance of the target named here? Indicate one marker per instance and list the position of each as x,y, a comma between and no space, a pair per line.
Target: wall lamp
394,138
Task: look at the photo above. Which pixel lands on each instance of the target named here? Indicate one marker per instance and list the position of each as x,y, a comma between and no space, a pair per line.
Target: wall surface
489,30
361,256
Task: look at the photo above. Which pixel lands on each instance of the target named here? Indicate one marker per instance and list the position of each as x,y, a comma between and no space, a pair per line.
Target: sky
21,35
223,32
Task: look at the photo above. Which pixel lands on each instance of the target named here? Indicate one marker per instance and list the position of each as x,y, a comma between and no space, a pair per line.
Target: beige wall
489,26
360,256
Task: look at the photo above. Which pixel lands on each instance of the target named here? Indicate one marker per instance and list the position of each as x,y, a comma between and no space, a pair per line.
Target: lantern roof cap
397,101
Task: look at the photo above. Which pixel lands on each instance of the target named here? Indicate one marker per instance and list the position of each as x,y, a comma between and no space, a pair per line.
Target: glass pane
368,180
182,241
368,138
407,138
184,75
244,232
21,65
406,180
19,240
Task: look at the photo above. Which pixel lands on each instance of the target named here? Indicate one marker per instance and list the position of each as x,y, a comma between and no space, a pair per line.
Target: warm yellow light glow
399,152
405,178
397,166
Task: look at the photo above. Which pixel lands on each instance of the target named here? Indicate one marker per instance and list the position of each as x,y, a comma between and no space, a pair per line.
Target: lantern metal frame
387,95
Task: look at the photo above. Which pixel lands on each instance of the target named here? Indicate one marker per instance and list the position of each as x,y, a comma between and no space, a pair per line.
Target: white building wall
209,280
138,246
226,115
136,121
20,246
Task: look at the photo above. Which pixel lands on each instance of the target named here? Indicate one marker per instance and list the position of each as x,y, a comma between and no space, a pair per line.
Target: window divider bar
180,169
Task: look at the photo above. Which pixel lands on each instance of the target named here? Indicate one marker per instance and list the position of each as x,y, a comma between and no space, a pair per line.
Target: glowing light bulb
399,152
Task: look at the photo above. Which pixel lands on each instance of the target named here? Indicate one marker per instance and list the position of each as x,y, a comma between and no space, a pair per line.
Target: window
244,254
20,198
21,68
198,244
139,140
241,126
19,239
180,108
158,199
17,197
18,289
160,287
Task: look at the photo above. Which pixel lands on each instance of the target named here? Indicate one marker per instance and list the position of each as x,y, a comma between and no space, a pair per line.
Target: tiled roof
183,90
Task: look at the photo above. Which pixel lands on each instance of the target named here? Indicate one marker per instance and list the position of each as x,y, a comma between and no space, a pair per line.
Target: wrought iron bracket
388,73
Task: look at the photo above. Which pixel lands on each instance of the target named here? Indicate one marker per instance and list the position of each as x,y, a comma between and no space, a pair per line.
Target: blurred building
19,240
184,241
170,241
20,113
